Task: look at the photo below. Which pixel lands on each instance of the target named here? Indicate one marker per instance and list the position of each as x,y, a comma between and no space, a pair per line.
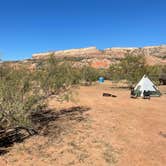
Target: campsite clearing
115,131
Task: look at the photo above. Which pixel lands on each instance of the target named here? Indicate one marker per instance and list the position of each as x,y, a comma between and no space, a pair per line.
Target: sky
32,26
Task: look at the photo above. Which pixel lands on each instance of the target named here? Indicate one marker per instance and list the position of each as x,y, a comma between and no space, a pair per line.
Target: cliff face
103,58
83,52
156,51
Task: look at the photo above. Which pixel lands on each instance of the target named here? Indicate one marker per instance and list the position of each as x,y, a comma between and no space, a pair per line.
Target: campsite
120,130
82,83
69,115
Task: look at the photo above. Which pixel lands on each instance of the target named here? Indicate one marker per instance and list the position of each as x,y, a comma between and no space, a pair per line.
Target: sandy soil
114,131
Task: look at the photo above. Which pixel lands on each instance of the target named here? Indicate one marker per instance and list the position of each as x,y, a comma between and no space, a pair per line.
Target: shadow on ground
47,123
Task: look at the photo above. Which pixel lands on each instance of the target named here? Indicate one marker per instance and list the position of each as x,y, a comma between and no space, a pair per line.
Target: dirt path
133,125
116,131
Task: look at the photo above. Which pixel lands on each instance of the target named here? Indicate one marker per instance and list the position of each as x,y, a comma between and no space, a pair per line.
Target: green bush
54,75
15,95
132,68
22,91
89,74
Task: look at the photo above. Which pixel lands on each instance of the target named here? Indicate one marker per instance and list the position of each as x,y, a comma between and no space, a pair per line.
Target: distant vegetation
132,68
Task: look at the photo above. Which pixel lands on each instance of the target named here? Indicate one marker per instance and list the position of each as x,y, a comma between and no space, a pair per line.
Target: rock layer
83,52
155,55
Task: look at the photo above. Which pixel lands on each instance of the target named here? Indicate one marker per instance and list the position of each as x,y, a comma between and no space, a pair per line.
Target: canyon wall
155,55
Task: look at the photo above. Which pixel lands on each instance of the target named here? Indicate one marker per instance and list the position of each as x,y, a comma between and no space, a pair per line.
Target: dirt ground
112,131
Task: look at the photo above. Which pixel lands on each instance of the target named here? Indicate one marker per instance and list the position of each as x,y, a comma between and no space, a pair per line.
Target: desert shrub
16,97
89,74
164,57
55,75
154,72
104,73
23,92
116,72
130,68
74,59
162,75
163,69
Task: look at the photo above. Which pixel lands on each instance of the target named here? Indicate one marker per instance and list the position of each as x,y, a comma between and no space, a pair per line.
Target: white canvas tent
145,84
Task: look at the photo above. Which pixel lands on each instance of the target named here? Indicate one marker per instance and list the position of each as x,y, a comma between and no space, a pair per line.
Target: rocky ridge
103,58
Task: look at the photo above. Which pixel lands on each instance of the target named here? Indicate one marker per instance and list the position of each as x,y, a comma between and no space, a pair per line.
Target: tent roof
145,84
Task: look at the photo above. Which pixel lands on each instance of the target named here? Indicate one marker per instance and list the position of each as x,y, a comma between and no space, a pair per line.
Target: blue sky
30,26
